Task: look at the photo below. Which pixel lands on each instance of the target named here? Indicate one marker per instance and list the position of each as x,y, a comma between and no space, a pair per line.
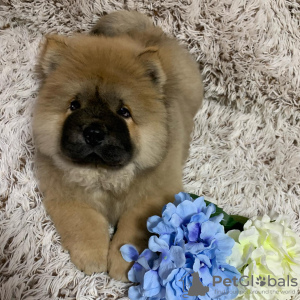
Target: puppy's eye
74,105
124,112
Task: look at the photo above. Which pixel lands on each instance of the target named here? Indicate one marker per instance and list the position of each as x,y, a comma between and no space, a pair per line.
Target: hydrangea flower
266,249
186,240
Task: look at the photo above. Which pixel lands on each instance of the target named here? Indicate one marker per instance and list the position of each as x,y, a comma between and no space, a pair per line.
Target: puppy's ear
53,52
150,59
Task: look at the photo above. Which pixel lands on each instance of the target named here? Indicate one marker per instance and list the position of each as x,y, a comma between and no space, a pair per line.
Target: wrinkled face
101,103
96,131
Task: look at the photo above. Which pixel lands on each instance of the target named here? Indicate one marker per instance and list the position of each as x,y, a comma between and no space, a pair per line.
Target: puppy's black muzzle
103,140
94,134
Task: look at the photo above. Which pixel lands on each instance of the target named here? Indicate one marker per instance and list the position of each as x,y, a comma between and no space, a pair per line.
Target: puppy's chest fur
107,191
101,180
110,205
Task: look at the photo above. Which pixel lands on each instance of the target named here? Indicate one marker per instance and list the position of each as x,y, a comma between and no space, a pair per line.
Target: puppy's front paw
89,260
117,267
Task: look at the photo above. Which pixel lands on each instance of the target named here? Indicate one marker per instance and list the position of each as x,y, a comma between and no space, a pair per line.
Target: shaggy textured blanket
245,151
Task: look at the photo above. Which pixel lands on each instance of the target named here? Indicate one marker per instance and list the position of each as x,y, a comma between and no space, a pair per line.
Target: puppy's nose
93,134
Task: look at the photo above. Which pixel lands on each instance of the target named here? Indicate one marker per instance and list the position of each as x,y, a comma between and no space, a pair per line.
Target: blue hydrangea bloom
186,240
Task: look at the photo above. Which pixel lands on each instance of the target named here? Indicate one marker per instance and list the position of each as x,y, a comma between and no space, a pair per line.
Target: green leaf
229,221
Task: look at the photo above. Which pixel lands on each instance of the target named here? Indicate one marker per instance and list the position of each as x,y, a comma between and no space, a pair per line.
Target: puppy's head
101,103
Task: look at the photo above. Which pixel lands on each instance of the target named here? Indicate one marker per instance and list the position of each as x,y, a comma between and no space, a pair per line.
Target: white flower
269,252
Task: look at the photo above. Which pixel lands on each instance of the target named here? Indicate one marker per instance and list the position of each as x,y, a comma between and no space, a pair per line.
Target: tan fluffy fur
82,201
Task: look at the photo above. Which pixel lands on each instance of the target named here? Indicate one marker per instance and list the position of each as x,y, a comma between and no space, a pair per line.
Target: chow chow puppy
112,127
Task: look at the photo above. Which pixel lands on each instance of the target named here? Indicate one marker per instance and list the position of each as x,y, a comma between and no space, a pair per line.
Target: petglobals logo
196,288
256,281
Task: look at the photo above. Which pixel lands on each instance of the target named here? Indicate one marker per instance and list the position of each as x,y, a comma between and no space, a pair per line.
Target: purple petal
168,238
170,292
151,283
224,247
157,245
156,264
193,231
143,262
149,255
135,293
186,210
209,230
166,267
210,209
180,197
205,275
129,253
200,204
217,219
168,211
178,256
179,236
194,248
157,225
199,218
170,276
136,273
175,221
196,265
152,222
204,259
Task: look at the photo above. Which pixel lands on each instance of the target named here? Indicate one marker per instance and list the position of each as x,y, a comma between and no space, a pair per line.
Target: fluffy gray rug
245,151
